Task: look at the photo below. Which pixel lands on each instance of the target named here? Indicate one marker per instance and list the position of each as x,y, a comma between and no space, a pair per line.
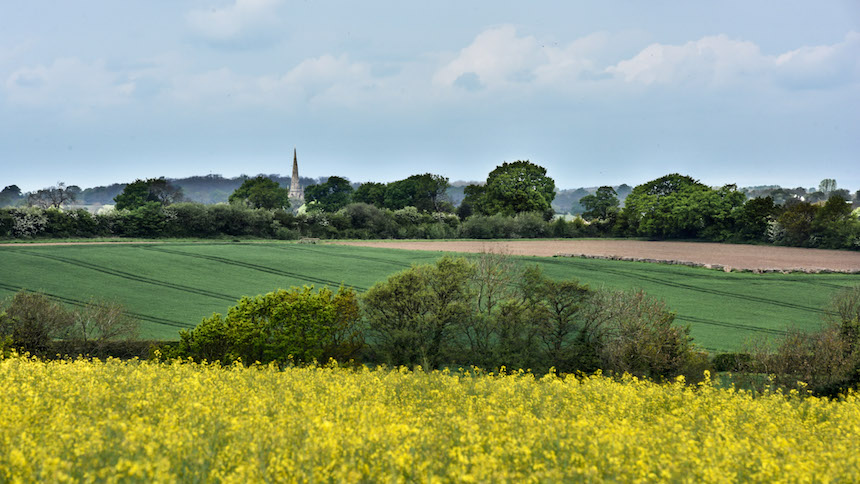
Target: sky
94,92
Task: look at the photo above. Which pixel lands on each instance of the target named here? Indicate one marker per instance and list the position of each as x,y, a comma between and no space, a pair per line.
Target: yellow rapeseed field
136,421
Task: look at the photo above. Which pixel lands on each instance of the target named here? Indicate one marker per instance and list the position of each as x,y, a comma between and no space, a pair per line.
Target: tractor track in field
688,287
745,327
378,260
255,267
133,277
79,303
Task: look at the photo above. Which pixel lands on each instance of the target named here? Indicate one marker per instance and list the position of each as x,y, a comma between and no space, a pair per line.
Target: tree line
515,201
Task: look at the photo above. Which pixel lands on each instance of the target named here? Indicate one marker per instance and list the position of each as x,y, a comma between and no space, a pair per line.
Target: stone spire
296,192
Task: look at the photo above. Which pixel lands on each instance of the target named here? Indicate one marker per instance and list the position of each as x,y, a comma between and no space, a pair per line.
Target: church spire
296,192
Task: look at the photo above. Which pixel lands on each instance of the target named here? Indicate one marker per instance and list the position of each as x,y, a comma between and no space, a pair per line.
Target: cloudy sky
100,91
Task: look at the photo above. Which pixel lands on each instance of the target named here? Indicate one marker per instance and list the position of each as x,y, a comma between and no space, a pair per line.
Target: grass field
173,285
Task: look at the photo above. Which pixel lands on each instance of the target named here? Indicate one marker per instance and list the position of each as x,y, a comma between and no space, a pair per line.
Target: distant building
296,192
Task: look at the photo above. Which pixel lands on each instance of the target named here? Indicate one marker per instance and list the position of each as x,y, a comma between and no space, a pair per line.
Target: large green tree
601,204
330,196
141,192
513,188
371,193
425,192
677,206
261,192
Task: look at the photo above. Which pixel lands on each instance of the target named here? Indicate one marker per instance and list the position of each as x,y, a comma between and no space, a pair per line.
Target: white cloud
719,60
820,66
499,58
240,21
68,83
713,60
323,80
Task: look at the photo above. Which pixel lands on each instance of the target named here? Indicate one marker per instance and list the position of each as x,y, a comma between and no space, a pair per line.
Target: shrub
530,225
412,315
191,220
492,313
301,325
28,222
32,320
44,327
826,361
635,334
488,227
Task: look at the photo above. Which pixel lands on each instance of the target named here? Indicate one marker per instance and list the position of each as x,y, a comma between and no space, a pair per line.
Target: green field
174,285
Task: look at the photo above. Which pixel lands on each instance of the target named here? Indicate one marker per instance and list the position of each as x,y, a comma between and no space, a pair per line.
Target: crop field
173,285
113,421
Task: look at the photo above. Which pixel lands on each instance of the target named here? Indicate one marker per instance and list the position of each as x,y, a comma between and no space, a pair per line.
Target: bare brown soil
743,257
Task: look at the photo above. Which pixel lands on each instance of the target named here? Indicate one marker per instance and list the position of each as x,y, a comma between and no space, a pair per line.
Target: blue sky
94,92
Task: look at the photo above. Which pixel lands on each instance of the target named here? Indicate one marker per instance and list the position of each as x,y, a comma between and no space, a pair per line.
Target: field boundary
725,257
719,267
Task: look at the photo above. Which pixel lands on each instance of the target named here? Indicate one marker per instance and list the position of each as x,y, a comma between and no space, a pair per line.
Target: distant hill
208,189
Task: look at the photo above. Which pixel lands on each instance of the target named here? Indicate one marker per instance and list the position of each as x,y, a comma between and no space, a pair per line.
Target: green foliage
676,206
639,337
300,325
426,192
32,320
10,196
796,223
513,188
330,196
600,205
191,220
371,193
824,361
412,315
753,218
261,192
554,308
141,192
833,225
147,220
492,313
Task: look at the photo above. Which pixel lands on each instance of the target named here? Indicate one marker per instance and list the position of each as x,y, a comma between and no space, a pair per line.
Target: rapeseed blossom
113,421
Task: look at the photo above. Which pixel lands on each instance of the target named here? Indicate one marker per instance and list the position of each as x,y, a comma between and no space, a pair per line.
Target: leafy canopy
330,196
513,188
601,204
261,192
141,192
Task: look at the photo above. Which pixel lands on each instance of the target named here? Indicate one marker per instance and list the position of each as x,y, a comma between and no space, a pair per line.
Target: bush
41,326
32,320
732,362
826,361
191,220
297,325
492,313
488,227
635,334
530,225
412,315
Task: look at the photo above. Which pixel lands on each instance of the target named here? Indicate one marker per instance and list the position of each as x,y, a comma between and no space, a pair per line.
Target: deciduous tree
601,204
261,192
330,196
141,192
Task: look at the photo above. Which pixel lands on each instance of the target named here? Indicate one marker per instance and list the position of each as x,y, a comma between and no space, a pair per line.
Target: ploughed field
173,285
729,256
